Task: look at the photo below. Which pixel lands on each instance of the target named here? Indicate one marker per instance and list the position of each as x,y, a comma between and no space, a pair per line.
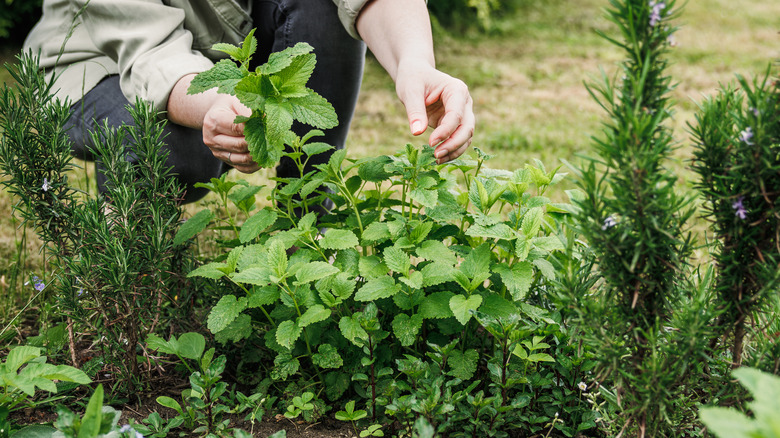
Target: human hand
225,138
438,100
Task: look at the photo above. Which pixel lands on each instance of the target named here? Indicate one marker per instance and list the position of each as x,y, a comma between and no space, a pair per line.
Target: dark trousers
280,24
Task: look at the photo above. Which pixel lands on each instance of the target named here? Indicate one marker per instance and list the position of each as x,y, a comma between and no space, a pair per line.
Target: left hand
438,100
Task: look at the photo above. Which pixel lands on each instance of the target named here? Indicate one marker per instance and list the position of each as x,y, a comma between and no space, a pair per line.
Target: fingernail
416,126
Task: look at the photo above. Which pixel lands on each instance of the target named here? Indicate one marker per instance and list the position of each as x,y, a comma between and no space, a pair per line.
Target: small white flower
582,386
46,186
746,136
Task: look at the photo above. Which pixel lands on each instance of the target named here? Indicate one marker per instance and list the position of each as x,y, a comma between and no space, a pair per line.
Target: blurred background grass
526,73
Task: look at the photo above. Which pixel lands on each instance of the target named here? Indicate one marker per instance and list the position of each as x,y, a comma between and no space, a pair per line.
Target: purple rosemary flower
46,186
746,136
37,283
609,222
655,12
739,209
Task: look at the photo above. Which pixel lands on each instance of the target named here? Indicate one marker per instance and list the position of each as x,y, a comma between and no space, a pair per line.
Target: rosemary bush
736,135
648,321
111,256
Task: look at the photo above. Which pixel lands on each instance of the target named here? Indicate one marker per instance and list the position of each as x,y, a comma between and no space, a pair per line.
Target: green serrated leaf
239,329
265,155
313,314
254,275
293,78
256,224
372,267
285,365
212,270
338,239
425,197
287,333
461,307
532,221
463,365
518,278
540,357
343,286
278,61
327,357
278,121
314,110
376,232
224,76
193,226
548,243
352,330
477,262
314,271
436,251
253,91
226,310
377,288
405,328
233,51
373,169
262,296
437,273
497,307
397,259
497,231
546,268
414,280
437,305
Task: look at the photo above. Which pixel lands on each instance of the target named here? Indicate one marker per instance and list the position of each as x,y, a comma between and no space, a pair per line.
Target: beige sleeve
348,13
148,42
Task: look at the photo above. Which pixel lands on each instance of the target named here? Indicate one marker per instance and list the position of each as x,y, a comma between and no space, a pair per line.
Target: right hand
225,138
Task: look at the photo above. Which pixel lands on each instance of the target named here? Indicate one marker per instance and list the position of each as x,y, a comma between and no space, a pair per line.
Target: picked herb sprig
276,93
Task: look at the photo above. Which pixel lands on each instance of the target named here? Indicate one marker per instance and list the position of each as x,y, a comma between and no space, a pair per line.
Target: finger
456,110
414,101
455,154
243,162
228,143
459,141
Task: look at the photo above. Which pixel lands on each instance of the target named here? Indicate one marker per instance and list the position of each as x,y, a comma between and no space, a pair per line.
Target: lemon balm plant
399,267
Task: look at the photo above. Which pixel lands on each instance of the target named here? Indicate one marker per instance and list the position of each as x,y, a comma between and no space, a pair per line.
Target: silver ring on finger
229,154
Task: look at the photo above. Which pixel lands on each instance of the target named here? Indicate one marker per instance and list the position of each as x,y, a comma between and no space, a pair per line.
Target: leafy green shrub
407,264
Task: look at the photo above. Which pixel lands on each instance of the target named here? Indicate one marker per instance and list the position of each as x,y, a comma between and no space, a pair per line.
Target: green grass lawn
527,80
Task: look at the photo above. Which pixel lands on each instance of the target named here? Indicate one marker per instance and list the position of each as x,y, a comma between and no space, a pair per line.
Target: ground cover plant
459,300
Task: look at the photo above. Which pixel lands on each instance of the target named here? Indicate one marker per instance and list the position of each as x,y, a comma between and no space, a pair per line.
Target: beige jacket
151,44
